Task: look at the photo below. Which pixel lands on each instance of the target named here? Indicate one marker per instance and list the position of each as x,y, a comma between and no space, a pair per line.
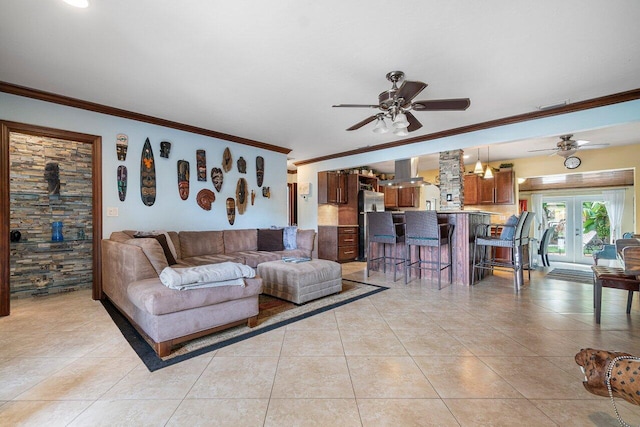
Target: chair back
422,228
545,239
526,227
380,228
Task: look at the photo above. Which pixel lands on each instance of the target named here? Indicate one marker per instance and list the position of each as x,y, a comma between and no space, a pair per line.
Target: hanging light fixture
400,121
401,132
479,170
381,126
488,173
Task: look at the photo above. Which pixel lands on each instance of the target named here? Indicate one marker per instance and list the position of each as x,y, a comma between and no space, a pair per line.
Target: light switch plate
112,211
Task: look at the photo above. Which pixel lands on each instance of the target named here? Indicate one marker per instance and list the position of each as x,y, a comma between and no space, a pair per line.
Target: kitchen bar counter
462,242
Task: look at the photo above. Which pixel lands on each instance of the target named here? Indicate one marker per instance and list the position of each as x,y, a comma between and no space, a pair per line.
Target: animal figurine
623,376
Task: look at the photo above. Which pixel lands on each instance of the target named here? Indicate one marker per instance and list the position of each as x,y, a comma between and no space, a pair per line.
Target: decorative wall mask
183,179
165,149
217,177
122,141
242,165
205,198
147,175
266,192
227,160
201,164
253,197
241,195
52,176
231,210
259,170
122,182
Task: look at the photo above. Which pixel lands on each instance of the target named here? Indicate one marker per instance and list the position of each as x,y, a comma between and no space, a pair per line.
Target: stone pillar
451,180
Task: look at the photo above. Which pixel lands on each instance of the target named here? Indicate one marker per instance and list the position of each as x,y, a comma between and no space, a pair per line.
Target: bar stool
382,230
422,229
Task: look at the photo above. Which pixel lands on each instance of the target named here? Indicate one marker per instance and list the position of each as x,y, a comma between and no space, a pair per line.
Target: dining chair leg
439,249
629,302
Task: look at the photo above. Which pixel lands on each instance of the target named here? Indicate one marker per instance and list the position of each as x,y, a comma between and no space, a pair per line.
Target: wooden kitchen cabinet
471,189
505,188
390,196
407,197
332,187
338,243
499,190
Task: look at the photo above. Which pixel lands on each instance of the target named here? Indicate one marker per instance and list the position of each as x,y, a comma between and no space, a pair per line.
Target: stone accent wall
451,180
39,266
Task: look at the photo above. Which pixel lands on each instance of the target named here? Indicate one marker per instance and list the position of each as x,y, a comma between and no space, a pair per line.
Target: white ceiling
270,70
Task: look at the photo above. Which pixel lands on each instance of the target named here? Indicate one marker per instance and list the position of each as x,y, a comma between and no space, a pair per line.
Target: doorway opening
95,144
581,224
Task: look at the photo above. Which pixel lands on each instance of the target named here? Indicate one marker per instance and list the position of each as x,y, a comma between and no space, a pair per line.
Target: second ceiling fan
396,105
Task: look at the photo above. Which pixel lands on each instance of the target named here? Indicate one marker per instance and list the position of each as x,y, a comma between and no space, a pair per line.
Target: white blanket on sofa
205,276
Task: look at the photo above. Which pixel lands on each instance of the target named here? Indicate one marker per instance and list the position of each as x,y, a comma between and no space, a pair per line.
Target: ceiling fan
567,147
396,105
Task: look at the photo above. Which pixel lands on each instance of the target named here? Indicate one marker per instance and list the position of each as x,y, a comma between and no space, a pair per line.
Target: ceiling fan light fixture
401,132
400,121
381,126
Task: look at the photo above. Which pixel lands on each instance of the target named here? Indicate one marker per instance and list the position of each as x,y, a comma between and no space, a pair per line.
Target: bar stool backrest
381,228
422,228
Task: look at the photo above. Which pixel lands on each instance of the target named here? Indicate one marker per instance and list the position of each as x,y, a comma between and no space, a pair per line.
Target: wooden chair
612,277
422,229
383,231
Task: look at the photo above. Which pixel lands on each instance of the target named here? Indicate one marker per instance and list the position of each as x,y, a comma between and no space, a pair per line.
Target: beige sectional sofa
131,267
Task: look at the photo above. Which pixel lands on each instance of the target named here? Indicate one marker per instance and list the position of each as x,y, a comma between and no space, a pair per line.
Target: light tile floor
411,355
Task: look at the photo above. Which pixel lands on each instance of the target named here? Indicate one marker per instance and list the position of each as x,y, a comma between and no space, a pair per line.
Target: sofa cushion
196,243
270,239
162,239
152,296
211,259
154,252
305,240
253,258
240,240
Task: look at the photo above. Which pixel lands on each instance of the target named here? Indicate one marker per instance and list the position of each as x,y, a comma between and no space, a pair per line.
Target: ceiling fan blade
355,106
409,90
544,149
590,146
414,124
362,123
457,104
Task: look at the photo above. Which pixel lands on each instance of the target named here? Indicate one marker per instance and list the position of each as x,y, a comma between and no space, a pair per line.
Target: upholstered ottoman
300,282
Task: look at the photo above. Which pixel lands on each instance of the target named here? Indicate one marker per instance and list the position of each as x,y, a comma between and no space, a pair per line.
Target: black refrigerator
368,201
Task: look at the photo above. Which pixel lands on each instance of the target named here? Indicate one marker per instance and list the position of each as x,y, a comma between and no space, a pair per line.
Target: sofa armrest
123,264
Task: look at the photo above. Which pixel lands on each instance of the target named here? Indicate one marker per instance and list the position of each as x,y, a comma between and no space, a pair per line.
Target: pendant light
488,173
381,126
400,121
478,169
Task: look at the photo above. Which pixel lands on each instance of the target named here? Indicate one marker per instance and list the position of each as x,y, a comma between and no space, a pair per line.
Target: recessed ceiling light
78,3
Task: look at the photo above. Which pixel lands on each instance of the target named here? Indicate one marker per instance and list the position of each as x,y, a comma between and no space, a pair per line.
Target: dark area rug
274,313
578,276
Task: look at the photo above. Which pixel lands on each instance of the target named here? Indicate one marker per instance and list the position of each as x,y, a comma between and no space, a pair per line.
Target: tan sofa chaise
131,267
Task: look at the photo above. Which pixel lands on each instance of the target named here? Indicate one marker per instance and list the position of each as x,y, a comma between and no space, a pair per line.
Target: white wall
549,126
169,211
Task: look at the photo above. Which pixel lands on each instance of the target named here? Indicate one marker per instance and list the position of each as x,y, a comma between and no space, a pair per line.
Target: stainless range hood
406,174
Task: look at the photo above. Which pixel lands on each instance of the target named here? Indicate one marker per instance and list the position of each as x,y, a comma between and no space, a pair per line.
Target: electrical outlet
112,211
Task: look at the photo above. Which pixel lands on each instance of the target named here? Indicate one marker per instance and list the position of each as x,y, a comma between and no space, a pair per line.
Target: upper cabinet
332,187
406,197
499,190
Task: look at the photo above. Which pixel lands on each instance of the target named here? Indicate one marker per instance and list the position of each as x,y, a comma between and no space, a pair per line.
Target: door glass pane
596,229
556,213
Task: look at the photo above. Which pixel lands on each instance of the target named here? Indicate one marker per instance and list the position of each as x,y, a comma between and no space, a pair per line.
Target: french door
581,224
